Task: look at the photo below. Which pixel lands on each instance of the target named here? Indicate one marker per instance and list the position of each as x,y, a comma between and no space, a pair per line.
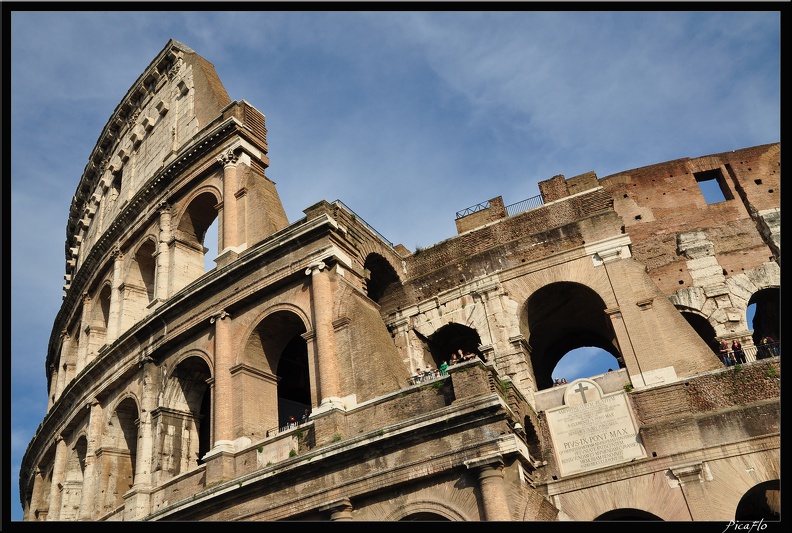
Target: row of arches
167,258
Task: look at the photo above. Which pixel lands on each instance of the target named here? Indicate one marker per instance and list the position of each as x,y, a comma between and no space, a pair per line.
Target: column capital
219,316
116,252
163,206
494,461
315,268
227,158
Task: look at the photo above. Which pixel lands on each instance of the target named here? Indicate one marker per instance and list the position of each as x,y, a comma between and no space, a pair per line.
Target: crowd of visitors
767,348
430,373
734,354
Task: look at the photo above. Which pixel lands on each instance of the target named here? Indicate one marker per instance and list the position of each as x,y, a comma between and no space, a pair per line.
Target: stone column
66,343
340,511
144,453
162,257
137,503
113,317
53,385
223,405
58,467
84,341
88,497
36,508
493,491
229,233
322,304
693,480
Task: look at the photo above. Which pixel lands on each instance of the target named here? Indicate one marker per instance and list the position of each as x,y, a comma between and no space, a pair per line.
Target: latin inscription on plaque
593,430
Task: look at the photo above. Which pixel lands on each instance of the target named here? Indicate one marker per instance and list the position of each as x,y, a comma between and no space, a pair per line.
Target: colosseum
281,384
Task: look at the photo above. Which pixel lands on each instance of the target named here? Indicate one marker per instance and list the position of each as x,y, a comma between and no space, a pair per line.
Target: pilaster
322,305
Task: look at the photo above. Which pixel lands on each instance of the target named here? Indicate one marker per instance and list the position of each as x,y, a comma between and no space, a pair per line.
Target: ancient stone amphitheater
278,385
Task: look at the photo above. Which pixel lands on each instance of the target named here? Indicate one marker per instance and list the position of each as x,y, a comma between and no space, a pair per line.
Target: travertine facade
171,389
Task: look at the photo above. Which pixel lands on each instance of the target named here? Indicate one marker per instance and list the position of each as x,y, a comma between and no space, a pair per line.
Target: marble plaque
593,430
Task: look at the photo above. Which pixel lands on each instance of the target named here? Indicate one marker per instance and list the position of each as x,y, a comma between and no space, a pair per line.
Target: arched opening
628,514
210,245
100,319
766,319
183,438
281,386
584,362
561,318
761,502
449,339
189,238
383,285
118,454
424,517
111,199
103,315
702,327
71,493
294,385
144,269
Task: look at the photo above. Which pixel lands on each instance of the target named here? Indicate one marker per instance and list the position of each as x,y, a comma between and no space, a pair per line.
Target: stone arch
701,325
383,284
98,323
118,454
760,502
183,420
450,338
757,285
142,269
560,317
425,509
190,225
274,371
627,514
73,476
371,247
766,320
112,196
101,308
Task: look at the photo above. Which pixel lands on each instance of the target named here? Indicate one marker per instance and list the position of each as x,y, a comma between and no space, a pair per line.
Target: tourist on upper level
723,353
737,352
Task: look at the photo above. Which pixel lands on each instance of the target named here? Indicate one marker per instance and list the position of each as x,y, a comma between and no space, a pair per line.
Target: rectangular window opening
713,186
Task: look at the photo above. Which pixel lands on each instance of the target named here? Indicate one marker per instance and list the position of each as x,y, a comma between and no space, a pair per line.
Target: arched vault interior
561,317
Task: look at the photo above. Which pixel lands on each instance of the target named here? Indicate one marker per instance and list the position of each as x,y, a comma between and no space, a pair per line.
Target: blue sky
407,117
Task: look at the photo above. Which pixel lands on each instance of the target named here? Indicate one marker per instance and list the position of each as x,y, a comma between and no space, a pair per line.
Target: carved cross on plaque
580,388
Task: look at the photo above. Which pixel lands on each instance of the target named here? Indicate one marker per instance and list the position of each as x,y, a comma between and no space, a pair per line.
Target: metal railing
472,209
425,377
287,427
525,205
357,217
520,207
